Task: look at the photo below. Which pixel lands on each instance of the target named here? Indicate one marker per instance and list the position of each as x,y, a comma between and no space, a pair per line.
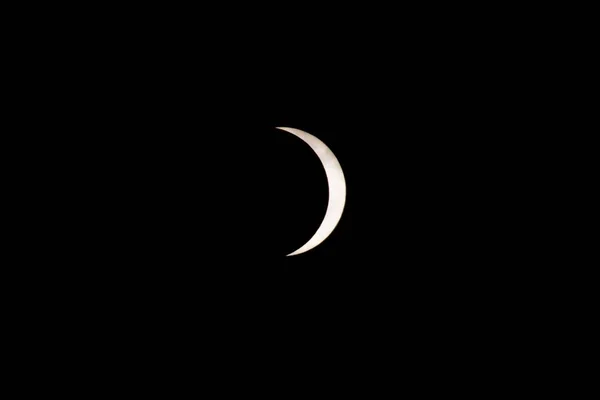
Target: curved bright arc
337,189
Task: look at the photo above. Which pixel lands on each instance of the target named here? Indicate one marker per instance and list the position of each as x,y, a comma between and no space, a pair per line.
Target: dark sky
195,168
164,199
187,180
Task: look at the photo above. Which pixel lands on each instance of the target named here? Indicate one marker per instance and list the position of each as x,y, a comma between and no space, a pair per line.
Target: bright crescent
337,189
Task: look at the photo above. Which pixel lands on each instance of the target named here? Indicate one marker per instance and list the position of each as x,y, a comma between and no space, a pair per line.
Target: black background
170,200
187,180
181,162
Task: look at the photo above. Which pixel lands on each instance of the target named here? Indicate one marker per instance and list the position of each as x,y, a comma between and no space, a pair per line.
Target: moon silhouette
337,189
